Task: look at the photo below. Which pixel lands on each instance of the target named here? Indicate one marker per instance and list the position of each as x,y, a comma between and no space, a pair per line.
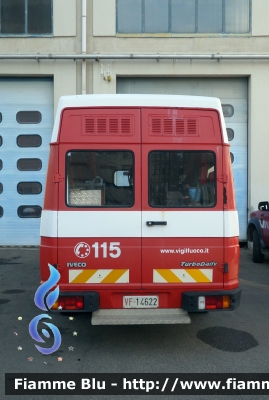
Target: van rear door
182,206
99,221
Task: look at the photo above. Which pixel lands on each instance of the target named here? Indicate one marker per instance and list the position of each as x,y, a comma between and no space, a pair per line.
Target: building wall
66,39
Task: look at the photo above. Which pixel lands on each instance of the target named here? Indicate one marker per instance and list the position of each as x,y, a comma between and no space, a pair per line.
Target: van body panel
114,224
51,195
228,182
100,125
231,257
100,262
180,125
182,263
204,222
48,255
138,101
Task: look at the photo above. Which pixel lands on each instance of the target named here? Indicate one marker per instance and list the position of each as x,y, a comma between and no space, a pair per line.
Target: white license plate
140,301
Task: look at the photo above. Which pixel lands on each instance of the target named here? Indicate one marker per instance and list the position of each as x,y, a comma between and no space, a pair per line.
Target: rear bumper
190,299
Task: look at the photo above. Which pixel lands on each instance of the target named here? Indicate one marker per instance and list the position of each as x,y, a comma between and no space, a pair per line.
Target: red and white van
139,214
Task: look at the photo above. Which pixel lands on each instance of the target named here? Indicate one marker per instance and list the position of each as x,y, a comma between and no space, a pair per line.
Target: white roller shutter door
26,107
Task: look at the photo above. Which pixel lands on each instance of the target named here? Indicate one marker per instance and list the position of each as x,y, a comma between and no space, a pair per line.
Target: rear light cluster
69,303
214,302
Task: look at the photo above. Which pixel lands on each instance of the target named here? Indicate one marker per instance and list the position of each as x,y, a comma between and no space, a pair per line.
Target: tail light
214,302
69,303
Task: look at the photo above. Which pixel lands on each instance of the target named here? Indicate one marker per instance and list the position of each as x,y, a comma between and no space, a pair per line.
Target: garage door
26,120
233,94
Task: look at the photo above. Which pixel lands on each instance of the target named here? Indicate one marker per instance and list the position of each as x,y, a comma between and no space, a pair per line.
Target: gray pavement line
18,248
259,285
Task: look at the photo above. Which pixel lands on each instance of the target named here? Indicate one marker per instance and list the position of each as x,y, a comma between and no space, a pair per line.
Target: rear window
99,179
182,179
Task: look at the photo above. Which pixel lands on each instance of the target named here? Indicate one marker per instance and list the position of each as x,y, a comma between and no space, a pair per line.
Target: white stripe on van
48,224
231,224
118,224
183,224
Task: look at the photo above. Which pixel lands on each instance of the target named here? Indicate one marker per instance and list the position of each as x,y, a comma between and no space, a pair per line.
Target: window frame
170,33
108,206
26,34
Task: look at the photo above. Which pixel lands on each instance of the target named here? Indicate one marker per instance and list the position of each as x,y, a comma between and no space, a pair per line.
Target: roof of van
135,100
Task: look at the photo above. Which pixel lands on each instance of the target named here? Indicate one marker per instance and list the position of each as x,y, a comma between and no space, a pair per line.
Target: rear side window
182,179
99,179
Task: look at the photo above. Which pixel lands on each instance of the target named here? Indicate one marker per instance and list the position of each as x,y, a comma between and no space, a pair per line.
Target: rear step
140,316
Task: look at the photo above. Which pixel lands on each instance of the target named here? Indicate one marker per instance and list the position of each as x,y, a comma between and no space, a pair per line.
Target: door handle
151,223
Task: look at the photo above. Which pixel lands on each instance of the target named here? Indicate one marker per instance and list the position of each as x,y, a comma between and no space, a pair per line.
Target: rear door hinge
223,178
59,267
225,268
224,195
58,178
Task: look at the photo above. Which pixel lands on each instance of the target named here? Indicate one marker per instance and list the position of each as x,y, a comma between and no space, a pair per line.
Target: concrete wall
104,17
64,16
260,11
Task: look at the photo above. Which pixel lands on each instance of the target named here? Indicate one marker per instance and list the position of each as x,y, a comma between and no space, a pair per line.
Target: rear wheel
257,255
